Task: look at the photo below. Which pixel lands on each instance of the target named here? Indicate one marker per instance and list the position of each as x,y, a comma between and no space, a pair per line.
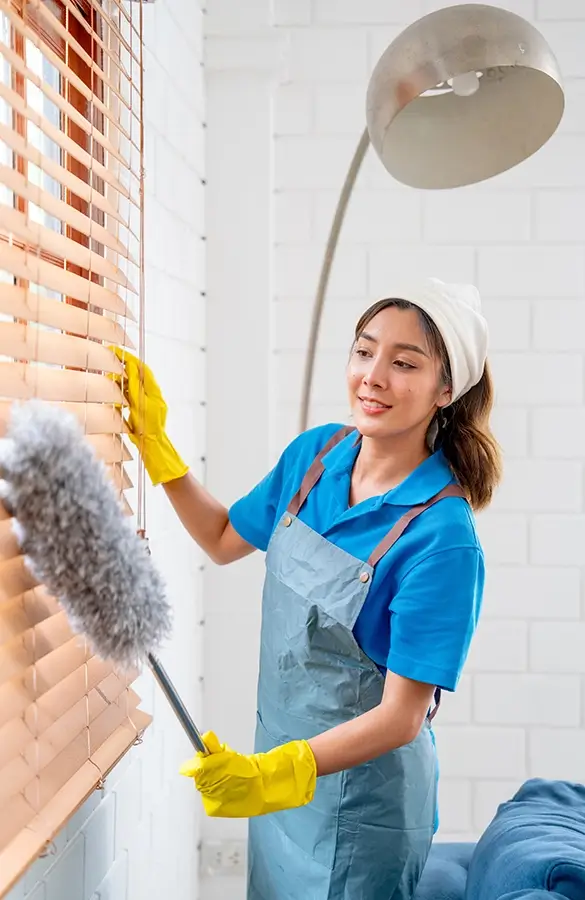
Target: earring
433,432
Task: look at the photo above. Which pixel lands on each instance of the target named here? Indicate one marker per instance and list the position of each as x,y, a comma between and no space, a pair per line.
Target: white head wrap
456,311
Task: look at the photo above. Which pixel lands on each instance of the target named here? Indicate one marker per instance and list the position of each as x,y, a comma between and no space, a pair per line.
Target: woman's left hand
236,786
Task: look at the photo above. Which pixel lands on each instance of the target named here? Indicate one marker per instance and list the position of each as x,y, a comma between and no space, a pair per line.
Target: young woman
374,581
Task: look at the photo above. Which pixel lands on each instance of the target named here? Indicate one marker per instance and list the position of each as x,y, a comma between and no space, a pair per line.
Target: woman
374,581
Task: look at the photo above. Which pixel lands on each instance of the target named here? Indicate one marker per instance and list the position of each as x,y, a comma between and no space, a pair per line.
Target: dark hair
462,430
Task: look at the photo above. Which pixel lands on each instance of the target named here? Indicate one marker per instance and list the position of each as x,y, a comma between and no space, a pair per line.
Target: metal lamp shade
428,135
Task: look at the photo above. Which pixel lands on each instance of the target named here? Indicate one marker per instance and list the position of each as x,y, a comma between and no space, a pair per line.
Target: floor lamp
459,96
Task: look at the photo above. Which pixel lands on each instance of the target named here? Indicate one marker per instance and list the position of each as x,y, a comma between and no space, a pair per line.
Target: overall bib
368,831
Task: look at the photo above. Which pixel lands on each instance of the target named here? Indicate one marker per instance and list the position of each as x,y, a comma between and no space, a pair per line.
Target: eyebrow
400,346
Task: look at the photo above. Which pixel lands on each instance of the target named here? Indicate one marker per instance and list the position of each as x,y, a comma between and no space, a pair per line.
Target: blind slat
23,304
28,842
15,579
25,610
122,11
15,816
13,617
47,635
14,699
29,342
27,265
52,705
13,658
33,649
56,774
62,140
39,605
56,735
111,24
119,477
88,677
19,65
13,739
45,786
16,223
72,43
17,694
96,39
52,668
17,182
121,709
110,448
22,381
41,640
43,651
90,713
29,34
9,548
58,731
67,179
96,418
13,778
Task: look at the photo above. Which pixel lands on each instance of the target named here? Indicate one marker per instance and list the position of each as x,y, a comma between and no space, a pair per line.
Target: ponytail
465,437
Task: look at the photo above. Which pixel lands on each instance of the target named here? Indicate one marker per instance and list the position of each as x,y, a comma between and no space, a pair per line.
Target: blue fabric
368,830
534,847
532,895
445,873
425,598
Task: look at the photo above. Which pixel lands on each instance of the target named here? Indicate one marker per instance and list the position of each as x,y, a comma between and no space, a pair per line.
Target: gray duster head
76,538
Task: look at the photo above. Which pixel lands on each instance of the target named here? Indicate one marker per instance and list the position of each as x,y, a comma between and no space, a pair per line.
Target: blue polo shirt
424,600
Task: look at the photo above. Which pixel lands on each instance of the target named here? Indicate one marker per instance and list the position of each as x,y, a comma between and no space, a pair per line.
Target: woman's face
393,377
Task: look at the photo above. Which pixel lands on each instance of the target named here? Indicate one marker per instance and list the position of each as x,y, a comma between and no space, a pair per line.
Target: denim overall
368,831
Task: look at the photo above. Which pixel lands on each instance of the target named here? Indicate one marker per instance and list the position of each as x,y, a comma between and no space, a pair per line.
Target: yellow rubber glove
147,420
237,786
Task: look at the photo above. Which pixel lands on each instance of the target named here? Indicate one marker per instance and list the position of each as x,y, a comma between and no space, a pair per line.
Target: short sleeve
254,516
434,614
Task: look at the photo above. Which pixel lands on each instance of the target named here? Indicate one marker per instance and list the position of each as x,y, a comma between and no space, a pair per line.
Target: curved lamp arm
330,248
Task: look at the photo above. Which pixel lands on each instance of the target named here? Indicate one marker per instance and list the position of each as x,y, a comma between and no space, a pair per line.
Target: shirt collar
430,477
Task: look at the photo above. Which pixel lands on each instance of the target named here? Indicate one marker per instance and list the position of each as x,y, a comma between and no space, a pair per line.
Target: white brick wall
137,839
520,709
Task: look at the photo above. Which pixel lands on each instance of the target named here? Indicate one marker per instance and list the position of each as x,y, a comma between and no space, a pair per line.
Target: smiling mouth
373,405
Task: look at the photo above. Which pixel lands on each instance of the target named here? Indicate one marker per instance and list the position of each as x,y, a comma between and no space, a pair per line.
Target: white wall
520,708
137,840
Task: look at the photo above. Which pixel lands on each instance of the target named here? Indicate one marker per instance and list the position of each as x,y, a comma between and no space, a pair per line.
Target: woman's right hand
205,519
147,420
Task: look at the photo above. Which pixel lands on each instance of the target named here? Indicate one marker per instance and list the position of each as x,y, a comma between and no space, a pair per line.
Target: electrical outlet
223,858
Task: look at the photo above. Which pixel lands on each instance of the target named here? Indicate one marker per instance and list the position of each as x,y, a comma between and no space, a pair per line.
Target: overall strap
316,469
452,490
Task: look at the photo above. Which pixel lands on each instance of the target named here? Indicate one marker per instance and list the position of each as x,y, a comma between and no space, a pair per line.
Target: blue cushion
532,895
445,873
534,847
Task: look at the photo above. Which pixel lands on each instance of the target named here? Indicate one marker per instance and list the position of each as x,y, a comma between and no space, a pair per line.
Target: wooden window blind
71,223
